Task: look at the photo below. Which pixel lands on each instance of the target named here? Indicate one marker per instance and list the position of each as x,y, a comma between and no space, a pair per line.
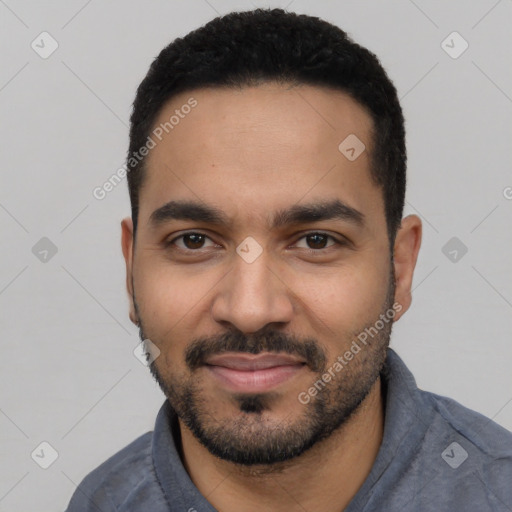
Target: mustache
265,341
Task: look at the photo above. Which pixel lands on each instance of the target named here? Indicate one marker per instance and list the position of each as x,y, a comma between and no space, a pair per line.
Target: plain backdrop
68,373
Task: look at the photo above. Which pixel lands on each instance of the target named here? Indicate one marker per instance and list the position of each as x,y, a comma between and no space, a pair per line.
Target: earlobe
405,255
127,247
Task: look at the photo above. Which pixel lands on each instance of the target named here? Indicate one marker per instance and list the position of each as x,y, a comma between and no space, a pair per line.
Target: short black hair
272,45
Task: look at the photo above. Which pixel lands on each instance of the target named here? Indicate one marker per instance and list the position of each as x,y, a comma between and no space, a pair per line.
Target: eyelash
340,243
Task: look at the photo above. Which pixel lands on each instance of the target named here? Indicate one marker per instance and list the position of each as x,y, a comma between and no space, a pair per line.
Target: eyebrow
296,214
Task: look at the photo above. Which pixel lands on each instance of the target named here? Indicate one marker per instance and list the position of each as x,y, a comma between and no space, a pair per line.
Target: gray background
69,376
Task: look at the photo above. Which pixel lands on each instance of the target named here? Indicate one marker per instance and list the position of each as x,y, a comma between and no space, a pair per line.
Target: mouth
249,373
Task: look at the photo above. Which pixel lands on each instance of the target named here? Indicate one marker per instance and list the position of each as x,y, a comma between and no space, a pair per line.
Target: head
266,174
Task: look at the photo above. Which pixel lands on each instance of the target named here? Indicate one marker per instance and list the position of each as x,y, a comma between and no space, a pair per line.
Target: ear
405,254
127,246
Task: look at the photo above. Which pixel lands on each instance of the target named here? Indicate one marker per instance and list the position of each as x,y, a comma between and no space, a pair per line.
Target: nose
252,295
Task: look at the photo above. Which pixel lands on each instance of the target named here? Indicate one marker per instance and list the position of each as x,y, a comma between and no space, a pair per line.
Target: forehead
260,148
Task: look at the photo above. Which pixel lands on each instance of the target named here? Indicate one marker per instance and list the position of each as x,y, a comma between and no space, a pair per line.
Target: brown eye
317,241
193,241
190,242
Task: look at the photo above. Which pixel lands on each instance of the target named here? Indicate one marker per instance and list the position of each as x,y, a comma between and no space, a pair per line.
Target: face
262,268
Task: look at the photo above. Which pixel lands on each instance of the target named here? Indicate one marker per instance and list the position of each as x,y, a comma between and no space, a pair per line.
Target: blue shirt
435,456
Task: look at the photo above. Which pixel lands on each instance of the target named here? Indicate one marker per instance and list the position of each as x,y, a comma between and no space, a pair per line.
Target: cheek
169,298
162,300
345,299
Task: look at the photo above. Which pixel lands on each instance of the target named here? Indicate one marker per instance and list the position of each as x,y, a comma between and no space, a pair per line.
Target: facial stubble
251,437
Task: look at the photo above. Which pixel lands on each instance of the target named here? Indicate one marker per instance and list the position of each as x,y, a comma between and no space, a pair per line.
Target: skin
250,153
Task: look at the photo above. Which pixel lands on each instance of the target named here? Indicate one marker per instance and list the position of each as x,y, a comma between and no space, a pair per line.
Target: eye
190,241
194,241
316,241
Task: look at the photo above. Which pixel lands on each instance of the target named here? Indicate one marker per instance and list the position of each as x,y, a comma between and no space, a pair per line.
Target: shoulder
475,449
111,484
489,439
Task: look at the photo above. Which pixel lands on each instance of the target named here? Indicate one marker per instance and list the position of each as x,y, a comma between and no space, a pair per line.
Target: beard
252,437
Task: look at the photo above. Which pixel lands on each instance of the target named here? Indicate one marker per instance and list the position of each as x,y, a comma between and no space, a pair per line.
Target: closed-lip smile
253,373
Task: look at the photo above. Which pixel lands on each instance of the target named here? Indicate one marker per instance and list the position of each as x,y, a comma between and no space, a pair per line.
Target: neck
325,478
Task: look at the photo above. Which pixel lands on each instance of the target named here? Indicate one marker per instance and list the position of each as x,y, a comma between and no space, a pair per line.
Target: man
267,259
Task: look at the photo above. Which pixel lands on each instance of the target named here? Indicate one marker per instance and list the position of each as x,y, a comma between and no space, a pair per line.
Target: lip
251,362
253,373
